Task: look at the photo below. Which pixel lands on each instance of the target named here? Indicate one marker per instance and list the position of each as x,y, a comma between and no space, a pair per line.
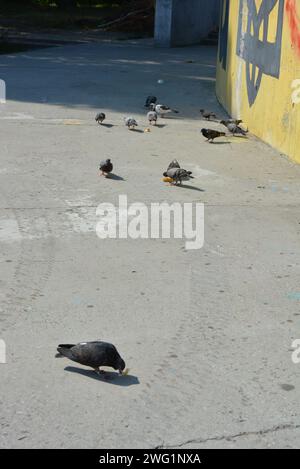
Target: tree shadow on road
107,377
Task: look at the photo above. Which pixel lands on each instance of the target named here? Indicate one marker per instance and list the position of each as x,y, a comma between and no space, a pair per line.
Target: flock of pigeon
174,173
96,354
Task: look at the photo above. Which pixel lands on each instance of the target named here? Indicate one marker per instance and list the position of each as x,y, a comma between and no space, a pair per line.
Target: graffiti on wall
223,41
296,91
294,23
261,55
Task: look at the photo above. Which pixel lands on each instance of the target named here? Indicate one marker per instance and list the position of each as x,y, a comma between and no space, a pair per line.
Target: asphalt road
206,333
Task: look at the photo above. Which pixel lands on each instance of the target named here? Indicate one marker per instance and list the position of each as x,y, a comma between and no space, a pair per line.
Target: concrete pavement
206,334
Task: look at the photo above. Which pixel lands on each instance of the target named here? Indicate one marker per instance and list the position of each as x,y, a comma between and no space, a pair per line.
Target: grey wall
183,22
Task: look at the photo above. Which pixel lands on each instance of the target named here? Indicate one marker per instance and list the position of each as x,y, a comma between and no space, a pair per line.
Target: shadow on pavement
115,177
107,377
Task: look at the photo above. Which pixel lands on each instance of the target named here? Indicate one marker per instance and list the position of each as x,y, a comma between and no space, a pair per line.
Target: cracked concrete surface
206,334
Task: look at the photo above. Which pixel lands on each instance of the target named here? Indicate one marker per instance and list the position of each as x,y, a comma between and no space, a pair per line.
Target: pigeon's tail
64,350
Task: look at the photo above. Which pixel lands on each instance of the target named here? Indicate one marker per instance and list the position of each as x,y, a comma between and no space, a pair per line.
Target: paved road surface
206,334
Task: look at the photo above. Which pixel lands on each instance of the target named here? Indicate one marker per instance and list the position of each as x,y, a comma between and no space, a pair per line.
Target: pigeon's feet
99,372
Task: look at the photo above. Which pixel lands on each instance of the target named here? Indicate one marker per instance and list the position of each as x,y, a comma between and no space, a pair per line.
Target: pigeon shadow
193,188
244,137
107,377
139,131
168,117
160,126
108,126
220,143
115,177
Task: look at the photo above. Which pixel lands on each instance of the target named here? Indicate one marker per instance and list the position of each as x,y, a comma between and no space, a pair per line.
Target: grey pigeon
173,164
234,128
207,114
178,175
231,121
130,122
105,167
100,117
152,117
150,100
161,109
93,354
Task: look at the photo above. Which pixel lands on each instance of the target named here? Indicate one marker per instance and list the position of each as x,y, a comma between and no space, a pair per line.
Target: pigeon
234,128
152,117
212,134
150,100
231,121
130,122
207,114
161,109
105,167
173,164
178,175
93,354
100,117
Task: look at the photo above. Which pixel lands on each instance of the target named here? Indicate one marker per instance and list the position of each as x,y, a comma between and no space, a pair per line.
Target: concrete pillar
184,22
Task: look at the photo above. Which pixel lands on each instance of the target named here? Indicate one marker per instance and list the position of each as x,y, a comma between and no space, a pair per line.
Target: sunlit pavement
207,333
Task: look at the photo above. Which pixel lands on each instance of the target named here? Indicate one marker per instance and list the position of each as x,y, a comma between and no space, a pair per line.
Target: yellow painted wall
275,114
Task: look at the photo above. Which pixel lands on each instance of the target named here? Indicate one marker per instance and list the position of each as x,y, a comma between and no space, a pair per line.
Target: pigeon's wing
174,164
172,172
165,108
240,130
182,172
102,163
93,354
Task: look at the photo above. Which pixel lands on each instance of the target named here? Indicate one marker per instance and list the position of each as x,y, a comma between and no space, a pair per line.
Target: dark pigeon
211,134
150,100
106,167
100,117
93,354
